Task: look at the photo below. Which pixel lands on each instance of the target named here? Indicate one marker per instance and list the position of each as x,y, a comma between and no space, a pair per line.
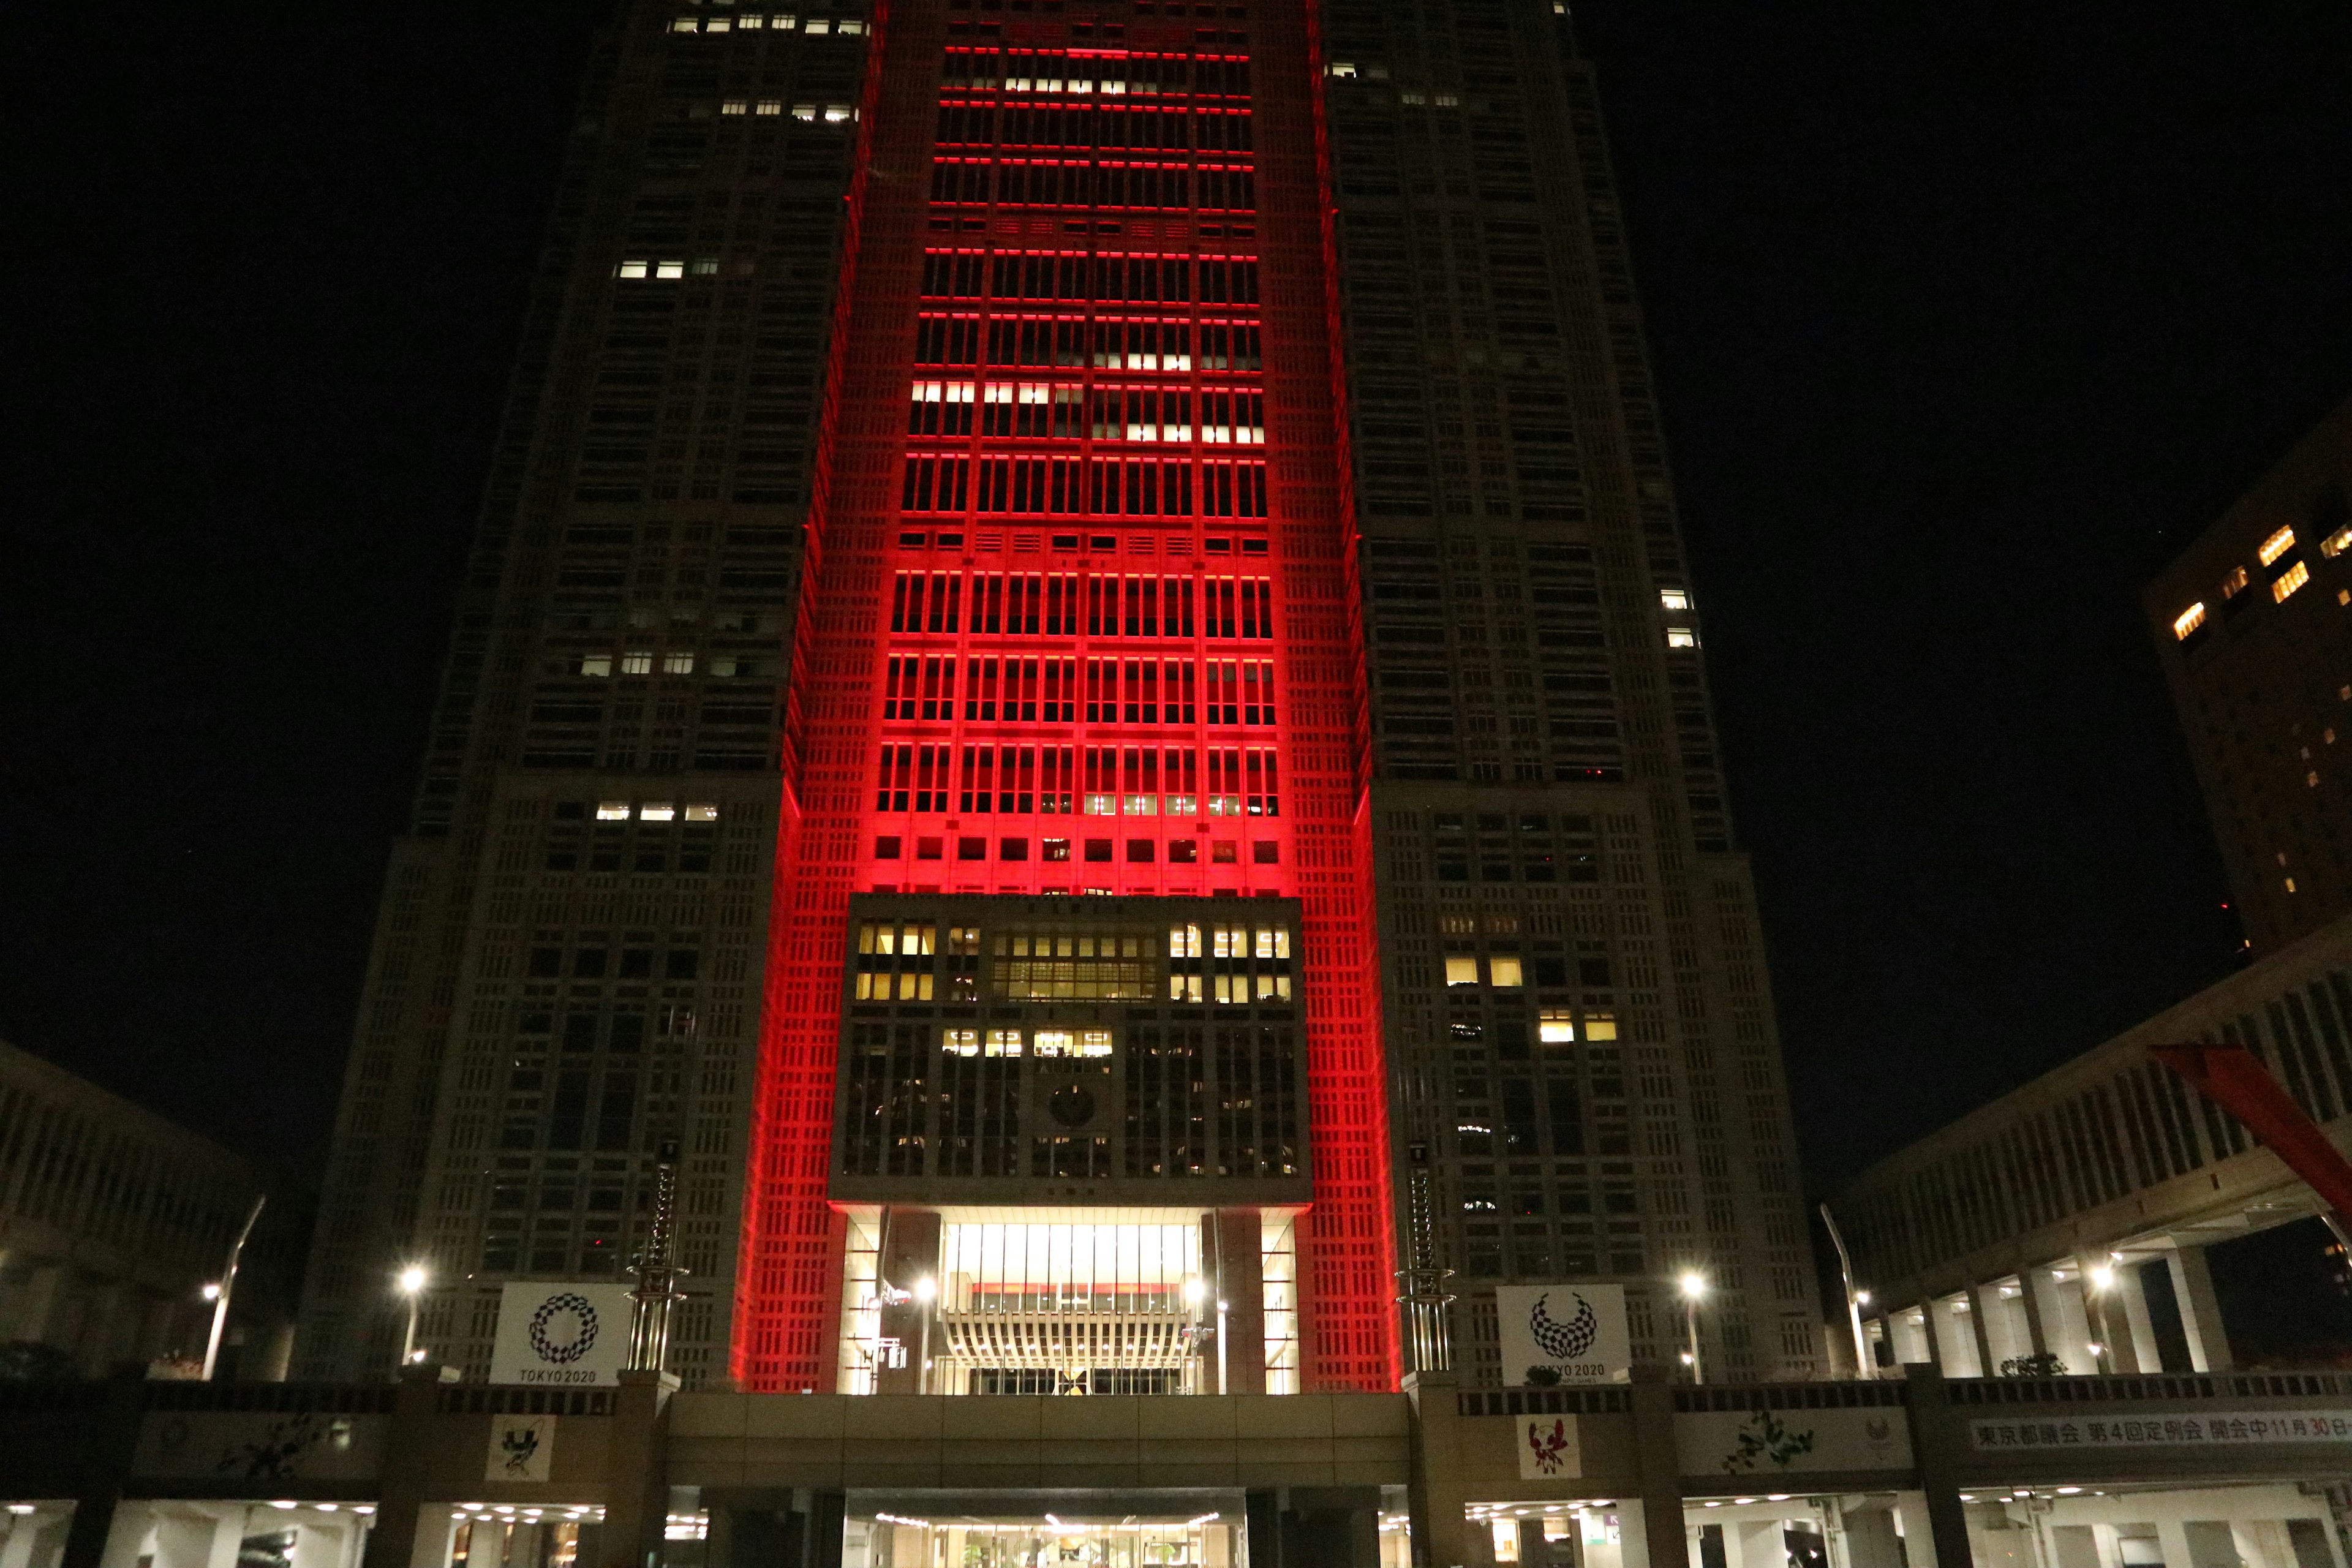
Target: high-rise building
2253,625
1079,674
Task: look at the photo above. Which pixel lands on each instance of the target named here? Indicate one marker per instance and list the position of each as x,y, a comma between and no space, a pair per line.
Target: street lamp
218,1291
410,1282
2101,1280
1694,1288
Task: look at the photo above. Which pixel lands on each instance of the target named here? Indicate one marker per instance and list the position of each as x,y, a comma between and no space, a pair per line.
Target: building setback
2253,623
1079,676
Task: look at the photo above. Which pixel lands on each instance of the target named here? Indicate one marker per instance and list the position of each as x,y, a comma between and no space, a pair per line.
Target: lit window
2276,545
1461,971
834,113
716,25
2233,582
1229,941
670,268
1054,1043
611,811
852,28
2295,577
683,24
1556,1027
657,811
2290,884
705,267
1345,70
783,20
596,664
1100,805
1004,1042
1414,97
1674,598
803,111
770,106
735,106
1274,941
1142,806
959,1042
2337,543
1183,806
1094,1042
818,25
1505,970
752,22
1600,1027
634,269
1448,100
637,663
702,814
1183,941
1681,637
2189,620
677,664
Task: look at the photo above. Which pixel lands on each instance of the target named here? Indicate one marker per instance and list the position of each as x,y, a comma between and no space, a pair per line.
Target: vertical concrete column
1660,1540
1871,1541
407,1450
2065,1318
1980,1300
108,1466
2029,1311
1938,1442
1754,1544
2200,1311
1953,1334
2146,1356
1235,1235
2172,1537
1434,1495
910,1253
636,1496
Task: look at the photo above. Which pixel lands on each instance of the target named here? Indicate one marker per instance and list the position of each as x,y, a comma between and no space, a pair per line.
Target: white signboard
1780,1442
522,1449
562,1336
2014,1432
1549,1450
1559,1335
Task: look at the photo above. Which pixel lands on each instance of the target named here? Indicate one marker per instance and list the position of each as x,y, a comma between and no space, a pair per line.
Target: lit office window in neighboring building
2295,577
2189,620
2276,545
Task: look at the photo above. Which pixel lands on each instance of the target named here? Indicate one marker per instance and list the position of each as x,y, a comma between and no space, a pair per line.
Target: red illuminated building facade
1078,676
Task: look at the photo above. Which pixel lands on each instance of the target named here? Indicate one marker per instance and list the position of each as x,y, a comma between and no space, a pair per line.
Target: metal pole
1690,1319
1221,1346
650,1302
408,1340
227,1284
1863,1366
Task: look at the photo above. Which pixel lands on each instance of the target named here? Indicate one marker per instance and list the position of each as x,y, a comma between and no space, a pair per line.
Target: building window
637,663
2189,620
1600,1027
961,1042
2295,577
657,811
1504,970
1461,971
1674,598
677,664
596,664
611,811
2336,543
1556,1026
2276,545
1004,1042
2235,580
1681,637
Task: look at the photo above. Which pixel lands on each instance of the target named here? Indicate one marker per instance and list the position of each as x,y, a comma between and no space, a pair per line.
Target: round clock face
1071,1105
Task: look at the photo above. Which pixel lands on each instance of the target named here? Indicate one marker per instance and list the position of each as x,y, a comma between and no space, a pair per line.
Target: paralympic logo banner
562,1336
1554,1335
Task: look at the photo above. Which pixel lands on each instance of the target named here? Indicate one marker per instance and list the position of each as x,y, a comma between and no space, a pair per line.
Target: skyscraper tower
1081,612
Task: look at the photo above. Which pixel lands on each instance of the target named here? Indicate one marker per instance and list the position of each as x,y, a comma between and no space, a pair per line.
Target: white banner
562,1336
1776,1442
2162,1431
1549,1448
522,1449
1559,1335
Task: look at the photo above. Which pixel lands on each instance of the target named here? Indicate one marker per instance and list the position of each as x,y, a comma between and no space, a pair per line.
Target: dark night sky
1965,318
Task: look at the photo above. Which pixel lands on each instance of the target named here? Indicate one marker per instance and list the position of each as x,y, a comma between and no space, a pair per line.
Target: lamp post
1694,1288
2101,1278
219,1292
926,1290
410,1282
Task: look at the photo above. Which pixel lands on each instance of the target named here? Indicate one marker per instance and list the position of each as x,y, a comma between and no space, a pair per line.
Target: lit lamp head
926,1288
2103,1278
411,1280
1861,1298
1194,1292
211,1293
1692,1285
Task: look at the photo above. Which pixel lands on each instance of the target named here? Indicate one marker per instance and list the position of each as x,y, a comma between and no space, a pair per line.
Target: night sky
1966,319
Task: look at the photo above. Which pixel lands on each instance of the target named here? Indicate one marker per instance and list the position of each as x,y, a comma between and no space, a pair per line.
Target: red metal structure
2234,1078
1078,613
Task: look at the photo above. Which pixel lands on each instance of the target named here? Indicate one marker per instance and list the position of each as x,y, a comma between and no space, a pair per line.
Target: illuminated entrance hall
1077,629
1156,1530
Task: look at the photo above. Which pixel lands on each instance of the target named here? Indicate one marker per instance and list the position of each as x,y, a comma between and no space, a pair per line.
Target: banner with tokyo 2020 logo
573,1335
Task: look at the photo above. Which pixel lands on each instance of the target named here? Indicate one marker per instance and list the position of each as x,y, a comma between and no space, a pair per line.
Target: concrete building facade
1155,458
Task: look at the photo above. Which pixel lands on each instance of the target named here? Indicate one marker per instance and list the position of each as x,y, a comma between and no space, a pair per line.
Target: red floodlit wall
1078,614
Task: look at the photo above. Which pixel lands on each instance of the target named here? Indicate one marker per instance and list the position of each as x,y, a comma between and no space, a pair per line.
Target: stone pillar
910,1252
2172,1537
1433,1491
637,1499
1754,1544
1660,1541
1953,1339
2029,1307
394,1543
2200,1311
1980,1326
1234,1238
1938,1441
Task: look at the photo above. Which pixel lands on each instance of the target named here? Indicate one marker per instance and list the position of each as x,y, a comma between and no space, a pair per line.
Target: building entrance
1093,1530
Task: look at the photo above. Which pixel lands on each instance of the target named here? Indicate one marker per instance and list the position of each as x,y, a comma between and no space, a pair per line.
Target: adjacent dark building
2254,622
